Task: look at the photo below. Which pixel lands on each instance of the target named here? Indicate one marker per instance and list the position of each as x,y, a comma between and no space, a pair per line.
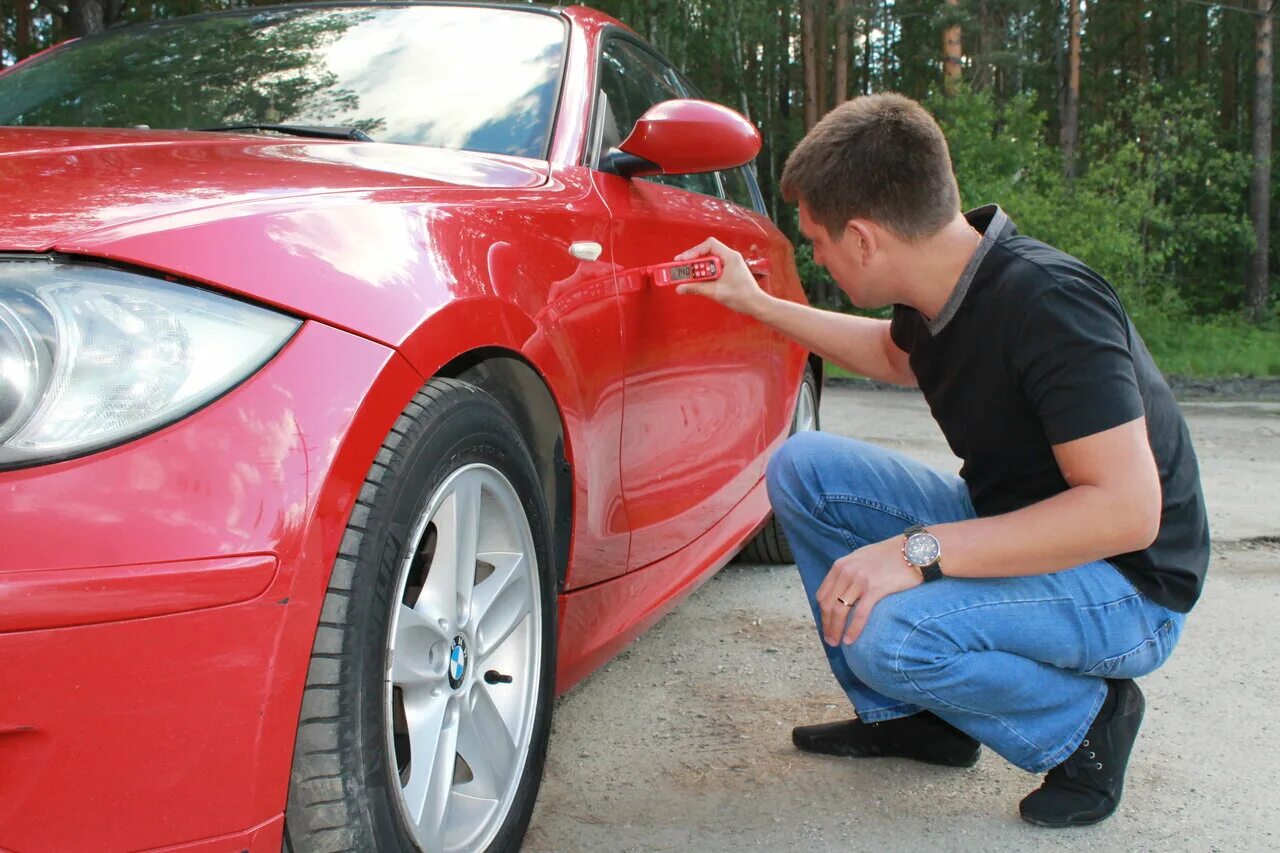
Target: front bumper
158,603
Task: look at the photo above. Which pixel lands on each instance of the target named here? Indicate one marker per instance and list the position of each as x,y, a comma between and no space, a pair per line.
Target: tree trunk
810,64
784,65
1230,71
1202,48
822,52
886,28
1071,110
22,40
1140,45
86,17
867,27
842,52
1260,191
951,54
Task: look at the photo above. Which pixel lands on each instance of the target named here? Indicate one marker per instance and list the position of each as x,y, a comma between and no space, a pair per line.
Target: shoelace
1077,771
1082,755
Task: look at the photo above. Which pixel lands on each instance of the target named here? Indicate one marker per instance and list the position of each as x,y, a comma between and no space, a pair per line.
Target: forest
1135,134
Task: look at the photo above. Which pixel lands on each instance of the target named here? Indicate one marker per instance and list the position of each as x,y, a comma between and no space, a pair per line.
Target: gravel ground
683,741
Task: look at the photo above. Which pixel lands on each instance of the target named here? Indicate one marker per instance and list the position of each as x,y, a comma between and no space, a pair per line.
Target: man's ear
862,239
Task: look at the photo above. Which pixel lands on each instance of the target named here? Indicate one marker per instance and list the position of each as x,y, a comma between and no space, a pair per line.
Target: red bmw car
344,418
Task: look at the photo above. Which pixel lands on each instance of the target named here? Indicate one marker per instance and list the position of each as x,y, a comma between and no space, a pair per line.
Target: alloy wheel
463,661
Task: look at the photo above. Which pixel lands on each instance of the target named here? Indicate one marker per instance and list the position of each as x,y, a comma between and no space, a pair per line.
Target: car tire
396,712
770,545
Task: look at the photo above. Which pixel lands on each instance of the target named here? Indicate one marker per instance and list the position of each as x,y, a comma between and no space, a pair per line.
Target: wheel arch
815,363
523,391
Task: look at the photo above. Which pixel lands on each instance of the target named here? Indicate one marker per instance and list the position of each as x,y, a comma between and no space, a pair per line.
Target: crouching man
1013,605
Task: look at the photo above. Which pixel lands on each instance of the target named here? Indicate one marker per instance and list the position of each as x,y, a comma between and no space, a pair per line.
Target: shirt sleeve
1073,362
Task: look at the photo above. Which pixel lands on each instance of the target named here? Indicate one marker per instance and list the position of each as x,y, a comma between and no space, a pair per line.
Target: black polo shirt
1034,349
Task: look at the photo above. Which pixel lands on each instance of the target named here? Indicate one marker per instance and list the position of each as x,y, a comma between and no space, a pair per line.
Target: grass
1218,348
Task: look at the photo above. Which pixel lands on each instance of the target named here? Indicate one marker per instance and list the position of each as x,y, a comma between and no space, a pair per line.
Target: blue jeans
1017,663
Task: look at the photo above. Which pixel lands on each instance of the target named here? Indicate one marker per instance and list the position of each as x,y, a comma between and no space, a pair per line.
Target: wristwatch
921,550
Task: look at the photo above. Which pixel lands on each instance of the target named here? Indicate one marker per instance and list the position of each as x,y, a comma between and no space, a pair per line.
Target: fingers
835,612
706,288
834,619
861,613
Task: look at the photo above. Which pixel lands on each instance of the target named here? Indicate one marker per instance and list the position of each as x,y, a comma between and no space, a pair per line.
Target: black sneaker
1085,789
922,737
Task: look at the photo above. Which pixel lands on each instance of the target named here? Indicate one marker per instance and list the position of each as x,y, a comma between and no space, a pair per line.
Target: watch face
921,549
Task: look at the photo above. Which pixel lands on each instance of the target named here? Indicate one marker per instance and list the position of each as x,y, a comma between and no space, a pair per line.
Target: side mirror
684,137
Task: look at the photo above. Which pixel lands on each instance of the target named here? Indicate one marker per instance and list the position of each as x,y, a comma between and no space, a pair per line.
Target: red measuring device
679,272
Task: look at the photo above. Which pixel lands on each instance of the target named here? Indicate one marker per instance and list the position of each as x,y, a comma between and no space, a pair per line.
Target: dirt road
683,742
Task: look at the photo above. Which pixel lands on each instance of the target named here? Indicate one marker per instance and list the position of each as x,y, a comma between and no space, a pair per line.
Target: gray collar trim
937,324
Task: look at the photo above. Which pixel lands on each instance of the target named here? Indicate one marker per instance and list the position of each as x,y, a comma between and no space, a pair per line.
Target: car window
737,187
632,80
459,77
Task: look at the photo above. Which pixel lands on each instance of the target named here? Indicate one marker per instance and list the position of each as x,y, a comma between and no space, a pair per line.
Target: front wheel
427,707
770,545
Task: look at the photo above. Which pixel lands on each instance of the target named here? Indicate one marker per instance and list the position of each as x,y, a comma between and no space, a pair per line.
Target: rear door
696,373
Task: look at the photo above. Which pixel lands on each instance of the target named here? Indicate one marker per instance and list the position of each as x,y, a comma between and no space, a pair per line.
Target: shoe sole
1048,825
810,751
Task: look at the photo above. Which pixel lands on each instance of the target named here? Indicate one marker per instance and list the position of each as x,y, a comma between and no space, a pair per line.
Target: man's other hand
862,579
736,288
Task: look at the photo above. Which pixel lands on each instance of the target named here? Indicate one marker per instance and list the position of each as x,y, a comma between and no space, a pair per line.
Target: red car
344,419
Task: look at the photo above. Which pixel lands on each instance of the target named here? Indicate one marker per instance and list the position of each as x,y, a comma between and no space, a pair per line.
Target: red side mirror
684,137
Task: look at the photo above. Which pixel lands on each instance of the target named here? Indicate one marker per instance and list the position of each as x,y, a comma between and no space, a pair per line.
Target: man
1011,606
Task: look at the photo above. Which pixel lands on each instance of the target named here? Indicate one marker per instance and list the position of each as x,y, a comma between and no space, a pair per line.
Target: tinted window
737,187
633,80
453,77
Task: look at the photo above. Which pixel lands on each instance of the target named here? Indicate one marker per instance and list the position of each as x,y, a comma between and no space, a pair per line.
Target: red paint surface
158,600
67,597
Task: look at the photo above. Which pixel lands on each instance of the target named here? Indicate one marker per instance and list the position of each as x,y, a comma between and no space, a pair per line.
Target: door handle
759,266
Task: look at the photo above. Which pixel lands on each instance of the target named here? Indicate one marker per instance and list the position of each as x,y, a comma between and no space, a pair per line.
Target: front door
696,374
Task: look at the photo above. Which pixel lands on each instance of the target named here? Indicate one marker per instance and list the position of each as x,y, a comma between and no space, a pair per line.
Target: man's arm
1112,507
858,344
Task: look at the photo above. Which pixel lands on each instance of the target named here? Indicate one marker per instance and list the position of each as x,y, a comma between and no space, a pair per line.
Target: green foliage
1157,209
1223,346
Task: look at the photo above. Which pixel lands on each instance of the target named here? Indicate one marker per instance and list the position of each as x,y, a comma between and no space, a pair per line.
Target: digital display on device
677,272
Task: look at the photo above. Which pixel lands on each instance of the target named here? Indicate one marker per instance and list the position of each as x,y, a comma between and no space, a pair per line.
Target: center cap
457,663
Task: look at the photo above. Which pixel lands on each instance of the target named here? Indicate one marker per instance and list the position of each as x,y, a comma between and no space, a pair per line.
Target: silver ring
845,603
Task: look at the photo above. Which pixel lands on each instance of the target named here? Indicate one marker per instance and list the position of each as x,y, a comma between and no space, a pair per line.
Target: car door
696,374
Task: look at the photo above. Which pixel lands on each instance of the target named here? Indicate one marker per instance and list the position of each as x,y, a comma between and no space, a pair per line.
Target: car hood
64,184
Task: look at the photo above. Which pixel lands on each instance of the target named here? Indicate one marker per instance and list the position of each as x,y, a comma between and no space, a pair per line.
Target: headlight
92,356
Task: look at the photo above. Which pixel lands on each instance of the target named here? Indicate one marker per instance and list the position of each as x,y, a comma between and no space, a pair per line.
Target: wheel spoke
485,743
416,634
451,577
433,731
500,602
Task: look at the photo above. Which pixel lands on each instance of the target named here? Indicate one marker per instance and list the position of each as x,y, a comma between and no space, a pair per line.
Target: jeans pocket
1144,658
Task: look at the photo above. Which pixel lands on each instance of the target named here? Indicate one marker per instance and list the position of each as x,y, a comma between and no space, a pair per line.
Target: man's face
841,256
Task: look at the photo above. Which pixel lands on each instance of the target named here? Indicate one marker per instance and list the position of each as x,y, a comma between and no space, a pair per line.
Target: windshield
477,78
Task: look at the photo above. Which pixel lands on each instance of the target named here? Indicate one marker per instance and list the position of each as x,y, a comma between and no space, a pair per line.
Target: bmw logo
457,663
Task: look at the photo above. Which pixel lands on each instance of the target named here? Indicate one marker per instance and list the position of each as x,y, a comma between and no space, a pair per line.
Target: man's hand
736,288
862,579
